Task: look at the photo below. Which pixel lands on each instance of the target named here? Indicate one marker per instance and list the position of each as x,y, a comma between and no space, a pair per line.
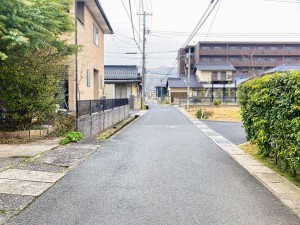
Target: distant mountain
154,75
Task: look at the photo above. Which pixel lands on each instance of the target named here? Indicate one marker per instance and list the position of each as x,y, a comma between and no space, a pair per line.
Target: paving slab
4,217
284,188
9,202
259,169
234,150
39,165
7,162
18,187
68,156
269,177
29,175
246,160
293,201
27,150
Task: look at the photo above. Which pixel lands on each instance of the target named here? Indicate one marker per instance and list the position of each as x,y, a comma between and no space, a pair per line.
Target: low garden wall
26,134
91,125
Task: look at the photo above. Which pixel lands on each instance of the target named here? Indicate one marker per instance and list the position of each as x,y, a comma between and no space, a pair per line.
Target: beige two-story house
88,67
217,73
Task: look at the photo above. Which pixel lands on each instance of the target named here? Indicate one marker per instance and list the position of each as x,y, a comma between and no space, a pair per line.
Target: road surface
160,170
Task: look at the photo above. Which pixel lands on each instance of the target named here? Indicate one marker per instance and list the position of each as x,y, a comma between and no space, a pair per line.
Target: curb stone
284,190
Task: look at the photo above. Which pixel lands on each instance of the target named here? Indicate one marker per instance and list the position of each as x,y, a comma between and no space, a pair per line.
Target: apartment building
92,25
248,58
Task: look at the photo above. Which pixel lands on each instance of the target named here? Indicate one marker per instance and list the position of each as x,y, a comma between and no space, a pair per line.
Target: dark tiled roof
115,72
182,82
104,16
215,66
283,68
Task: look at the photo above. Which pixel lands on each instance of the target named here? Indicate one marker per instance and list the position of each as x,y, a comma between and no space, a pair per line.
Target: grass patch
220,113
269,162
108,133
3,212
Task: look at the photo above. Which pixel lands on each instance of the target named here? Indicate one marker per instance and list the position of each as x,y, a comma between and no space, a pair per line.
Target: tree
33,58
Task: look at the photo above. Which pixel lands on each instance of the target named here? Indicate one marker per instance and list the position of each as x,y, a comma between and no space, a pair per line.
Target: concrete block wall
91,125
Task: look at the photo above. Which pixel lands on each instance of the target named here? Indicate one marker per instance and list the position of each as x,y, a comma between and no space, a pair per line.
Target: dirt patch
220,113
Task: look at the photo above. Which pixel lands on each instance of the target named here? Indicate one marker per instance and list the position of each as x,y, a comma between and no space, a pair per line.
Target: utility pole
161,89
144,60
189,81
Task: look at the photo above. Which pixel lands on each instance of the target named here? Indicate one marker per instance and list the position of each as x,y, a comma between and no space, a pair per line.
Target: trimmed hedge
271,115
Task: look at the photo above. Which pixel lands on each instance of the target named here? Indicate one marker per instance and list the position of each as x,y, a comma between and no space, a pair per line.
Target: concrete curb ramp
284,190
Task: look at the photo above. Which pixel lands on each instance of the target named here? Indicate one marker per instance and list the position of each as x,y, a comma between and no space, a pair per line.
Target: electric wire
133,27
213,20
200,23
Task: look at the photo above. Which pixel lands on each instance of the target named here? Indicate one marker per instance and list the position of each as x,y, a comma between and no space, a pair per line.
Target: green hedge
271,116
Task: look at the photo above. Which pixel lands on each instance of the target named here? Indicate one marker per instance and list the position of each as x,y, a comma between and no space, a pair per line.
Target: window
233,48
96,35
205,48
289,59
218,48
244,59
205,59
80,12
233,59
88,78
289,48
217,59
261,59
273,48
261,48
245,48
273,59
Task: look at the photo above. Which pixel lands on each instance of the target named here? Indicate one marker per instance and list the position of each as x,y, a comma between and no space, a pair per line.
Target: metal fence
88,107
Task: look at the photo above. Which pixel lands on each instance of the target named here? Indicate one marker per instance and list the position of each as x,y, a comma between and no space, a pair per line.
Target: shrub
271,115
217,102
63,124
71,137
203,114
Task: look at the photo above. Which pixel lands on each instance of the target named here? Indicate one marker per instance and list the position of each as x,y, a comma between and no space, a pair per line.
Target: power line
213,20
133,27
194,32
201,22
298,2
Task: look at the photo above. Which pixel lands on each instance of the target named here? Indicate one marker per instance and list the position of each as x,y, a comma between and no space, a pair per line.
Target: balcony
204,52
255,52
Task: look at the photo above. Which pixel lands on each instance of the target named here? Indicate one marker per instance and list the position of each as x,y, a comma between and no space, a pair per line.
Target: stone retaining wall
91,125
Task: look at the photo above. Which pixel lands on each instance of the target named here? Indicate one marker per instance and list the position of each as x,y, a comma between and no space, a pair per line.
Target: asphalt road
232,131
160,170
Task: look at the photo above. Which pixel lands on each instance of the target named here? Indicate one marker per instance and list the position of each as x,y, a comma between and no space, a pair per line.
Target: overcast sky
173,20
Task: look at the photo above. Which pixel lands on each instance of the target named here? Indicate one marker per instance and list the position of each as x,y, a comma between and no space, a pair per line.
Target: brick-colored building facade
248,58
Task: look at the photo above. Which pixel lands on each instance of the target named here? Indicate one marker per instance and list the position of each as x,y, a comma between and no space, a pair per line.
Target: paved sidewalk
284,190
28,170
